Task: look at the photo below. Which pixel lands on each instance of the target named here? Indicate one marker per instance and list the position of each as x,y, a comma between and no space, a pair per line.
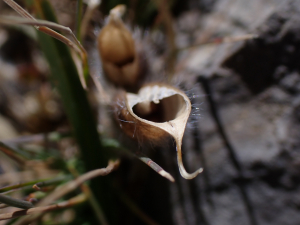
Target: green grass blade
65,77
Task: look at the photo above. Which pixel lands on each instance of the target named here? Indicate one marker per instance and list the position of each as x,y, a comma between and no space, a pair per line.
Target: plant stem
91,198
66,204
15,202
67,188
39,183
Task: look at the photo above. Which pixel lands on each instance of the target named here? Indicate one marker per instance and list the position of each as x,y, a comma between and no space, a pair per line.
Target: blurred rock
258,103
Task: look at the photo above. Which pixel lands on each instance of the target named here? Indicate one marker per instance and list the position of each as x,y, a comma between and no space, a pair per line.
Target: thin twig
72,185
149,162
66,204
68,187
91,198
39,183
221,40
156,168
214,41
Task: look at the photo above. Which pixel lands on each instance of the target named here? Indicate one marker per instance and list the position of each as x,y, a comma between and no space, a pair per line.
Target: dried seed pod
156,112
120,60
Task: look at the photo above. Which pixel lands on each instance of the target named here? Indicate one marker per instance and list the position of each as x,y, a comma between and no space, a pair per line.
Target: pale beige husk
174,113
120,60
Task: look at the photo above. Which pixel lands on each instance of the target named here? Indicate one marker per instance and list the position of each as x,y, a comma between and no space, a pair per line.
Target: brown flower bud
116,46
156,112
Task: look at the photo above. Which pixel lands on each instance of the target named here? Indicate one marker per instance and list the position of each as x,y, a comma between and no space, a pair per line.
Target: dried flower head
116,46
154,113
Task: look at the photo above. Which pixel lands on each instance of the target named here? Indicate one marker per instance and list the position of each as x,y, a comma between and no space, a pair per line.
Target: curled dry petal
116,46
156,112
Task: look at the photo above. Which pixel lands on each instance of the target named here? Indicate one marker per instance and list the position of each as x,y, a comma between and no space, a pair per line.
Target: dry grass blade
156,112
18,9
222,40
43,26
66,204
153,165
70,186
149,162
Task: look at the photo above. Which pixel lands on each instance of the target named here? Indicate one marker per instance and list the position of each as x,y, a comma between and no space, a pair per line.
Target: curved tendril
182,170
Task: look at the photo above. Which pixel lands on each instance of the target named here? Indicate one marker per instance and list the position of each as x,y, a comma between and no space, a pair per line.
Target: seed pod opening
166,109
156,112
120,60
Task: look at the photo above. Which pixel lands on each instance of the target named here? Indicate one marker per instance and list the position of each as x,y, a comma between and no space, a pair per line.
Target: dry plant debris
152,114
117,48
259,165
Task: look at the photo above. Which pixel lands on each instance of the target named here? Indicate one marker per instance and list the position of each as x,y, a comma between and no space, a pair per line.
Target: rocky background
252,161
245,133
